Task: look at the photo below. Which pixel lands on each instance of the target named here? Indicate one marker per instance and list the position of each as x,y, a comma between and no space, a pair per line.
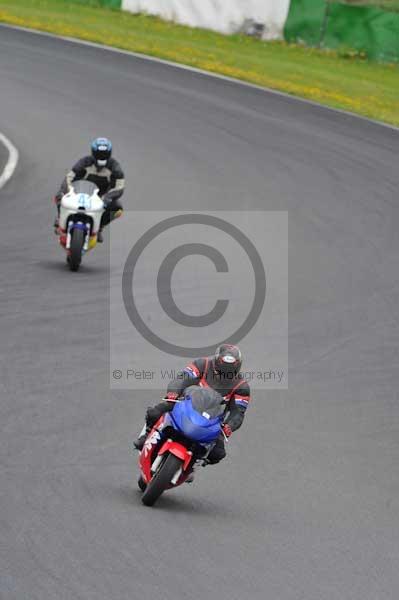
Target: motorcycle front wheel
161,480
75,256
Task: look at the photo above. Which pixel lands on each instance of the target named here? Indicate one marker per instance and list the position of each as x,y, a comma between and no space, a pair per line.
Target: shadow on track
195,507
62,266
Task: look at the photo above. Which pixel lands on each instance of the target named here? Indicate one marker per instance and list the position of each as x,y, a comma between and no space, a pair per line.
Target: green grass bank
335,78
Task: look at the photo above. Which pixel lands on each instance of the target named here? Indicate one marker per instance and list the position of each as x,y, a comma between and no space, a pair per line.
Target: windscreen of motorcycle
206,401
85,187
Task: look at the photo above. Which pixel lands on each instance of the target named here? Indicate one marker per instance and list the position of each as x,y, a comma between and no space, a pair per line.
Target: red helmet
228,360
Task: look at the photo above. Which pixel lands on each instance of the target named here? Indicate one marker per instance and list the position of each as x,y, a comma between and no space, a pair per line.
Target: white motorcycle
81,210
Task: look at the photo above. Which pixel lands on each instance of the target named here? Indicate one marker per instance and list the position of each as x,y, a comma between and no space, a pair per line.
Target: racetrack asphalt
306,506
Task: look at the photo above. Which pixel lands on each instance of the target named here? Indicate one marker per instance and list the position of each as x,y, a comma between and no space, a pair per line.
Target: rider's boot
106,219
139,443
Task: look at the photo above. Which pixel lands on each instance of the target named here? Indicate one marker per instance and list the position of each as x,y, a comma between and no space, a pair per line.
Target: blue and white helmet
101,150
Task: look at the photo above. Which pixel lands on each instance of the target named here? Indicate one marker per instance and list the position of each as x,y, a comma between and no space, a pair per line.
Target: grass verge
340,81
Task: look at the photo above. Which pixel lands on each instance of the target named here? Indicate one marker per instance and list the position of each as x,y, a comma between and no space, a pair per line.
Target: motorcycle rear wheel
161,480
75,256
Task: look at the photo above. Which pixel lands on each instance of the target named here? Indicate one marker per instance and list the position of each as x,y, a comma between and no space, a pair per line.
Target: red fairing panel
177,450
146,455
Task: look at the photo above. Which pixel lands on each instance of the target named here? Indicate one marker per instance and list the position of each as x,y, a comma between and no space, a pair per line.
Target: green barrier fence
336,25
112,3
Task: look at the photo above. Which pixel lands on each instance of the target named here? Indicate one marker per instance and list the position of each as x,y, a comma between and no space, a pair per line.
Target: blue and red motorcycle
178,440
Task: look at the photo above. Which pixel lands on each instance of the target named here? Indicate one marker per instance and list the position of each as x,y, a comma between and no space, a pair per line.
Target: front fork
180,452
69,235
157,462
73,224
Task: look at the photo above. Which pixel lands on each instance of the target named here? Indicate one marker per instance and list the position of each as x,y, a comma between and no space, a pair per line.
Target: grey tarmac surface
306,506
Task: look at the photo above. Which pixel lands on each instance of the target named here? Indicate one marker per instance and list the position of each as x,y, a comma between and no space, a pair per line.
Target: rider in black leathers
222,373
106,173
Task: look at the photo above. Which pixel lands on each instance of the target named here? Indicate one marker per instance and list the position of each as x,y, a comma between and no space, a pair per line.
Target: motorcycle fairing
178,450
148,452
193,425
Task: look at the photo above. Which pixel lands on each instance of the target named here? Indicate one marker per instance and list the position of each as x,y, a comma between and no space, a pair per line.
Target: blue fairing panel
193,425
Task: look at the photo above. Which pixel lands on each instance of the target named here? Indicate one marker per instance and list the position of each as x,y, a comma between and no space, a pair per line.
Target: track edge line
11,165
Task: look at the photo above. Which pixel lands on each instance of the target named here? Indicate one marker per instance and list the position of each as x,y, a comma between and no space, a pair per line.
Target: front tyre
161,480
75,255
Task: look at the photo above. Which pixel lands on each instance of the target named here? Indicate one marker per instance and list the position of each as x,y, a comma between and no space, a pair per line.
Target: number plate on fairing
84,201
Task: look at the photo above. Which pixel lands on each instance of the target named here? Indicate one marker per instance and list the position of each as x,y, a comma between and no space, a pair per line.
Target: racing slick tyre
161,480
75,256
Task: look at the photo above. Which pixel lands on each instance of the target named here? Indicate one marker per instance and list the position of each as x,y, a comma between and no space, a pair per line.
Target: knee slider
117,214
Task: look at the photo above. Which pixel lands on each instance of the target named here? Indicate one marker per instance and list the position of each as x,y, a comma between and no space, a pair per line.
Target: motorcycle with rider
203,406
88,200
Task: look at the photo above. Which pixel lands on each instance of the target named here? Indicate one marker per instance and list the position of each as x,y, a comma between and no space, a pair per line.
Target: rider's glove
227,430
